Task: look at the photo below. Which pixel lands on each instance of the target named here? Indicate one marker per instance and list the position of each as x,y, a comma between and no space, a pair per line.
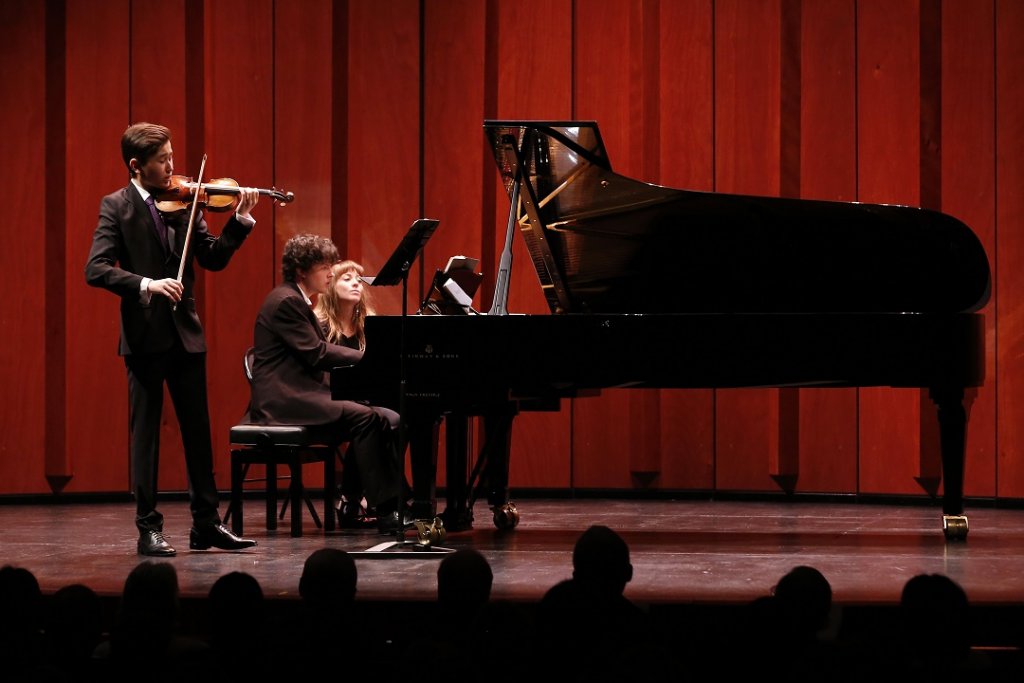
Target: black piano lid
605,243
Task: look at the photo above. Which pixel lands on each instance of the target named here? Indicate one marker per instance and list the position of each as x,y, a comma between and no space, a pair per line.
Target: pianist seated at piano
289,376
342,312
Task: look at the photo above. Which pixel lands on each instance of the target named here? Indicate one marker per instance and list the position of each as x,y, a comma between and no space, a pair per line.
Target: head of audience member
346,300
236,607
21,607
464,580
328,579
600,560
807,594
306,261
936,617
75,624
148,611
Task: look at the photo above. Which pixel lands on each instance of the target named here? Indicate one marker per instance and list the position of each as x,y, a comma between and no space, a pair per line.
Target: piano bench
274,445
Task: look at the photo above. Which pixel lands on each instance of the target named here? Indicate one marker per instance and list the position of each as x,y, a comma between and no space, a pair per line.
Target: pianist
291,359
342,312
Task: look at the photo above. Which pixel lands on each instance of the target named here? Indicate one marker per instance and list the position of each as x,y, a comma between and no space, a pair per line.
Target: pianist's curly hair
302,252
328,310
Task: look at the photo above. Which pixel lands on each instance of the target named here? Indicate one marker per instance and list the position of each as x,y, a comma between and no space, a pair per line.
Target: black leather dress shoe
353,516
389,524
216,536
154,544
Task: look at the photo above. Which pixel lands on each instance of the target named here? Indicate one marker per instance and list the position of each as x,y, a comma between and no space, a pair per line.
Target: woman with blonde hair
342,312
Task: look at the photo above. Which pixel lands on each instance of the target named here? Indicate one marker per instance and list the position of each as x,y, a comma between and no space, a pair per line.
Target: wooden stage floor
683,551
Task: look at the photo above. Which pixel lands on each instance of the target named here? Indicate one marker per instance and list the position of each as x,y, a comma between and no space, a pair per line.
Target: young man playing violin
135,254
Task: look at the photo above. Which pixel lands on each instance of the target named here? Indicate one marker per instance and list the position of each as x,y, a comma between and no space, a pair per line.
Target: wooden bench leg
295,493
330,486
271,496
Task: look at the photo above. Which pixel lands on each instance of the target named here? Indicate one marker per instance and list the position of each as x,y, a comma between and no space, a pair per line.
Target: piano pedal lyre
429,533
506,516
954,527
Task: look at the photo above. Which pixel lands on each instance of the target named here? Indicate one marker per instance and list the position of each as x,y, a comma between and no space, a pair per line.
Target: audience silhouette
145,638
587,628
583,629
468,632
236,628
21,622
74,629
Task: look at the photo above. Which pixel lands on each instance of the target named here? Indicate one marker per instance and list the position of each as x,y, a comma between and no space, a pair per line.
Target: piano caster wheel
429,534
954,527
506,516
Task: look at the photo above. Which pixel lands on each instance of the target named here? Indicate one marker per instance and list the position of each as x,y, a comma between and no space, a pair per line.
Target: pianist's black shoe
216,536
354,516
154,544
388,523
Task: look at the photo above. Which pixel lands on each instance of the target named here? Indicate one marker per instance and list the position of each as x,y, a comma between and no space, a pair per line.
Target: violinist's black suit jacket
159,344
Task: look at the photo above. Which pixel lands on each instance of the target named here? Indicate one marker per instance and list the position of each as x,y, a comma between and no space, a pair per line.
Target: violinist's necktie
161,227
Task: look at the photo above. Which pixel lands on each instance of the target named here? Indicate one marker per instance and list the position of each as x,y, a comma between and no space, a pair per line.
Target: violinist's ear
133,164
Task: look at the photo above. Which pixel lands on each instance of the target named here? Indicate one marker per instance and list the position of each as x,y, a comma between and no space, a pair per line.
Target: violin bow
191,221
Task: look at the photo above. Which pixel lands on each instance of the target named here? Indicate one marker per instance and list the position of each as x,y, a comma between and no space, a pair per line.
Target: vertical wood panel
1009,255
969,186
25,404
828,170
888,111
534,75
239,132
97,80
384,135
747,111
686,132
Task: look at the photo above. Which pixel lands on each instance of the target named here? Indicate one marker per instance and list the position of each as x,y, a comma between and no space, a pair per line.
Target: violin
219,194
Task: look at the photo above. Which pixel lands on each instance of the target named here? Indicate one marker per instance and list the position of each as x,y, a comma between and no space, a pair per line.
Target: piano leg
423,436
494,463
457,515
953,440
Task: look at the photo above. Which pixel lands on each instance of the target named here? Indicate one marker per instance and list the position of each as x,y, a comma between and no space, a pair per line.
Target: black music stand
396,270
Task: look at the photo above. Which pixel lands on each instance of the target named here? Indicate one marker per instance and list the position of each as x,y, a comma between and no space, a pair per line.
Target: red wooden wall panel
747,111
28,264
97,108
888,37
686,135
384,138
969,186
534,76
1008,257
828,170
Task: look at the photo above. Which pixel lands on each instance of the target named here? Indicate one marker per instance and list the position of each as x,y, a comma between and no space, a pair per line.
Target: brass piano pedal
506,516
954,527
430,533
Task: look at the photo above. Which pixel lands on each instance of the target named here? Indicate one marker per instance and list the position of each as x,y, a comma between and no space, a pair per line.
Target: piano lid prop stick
191,221
505,265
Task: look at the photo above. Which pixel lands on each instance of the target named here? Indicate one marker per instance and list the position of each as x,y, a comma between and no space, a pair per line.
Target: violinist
136,253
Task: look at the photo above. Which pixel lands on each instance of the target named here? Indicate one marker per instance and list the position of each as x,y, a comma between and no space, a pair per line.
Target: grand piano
711,290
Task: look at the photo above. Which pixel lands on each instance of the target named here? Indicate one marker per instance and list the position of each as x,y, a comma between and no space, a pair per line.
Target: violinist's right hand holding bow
168,287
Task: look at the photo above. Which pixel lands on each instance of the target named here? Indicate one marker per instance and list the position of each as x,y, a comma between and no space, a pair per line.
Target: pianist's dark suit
160,344
289,386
